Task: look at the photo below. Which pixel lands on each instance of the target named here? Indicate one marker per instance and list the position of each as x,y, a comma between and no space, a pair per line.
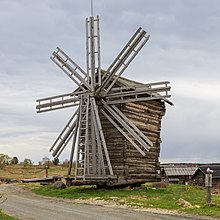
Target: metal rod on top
92,8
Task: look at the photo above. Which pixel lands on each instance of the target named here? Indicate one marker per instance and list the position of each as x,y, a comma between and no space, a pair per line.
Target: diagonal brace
128,126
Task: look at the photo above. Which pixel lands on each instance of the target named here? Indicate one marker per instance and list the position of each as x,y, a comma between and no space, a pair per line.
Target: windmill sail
115,130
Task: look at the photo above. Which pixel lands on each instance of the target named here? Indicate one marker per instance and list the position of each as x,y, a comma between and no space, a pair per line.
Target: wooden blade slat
146,92
98,122
65,136
57,102
93,58
76,73
122,61
123,122
97,140
122,132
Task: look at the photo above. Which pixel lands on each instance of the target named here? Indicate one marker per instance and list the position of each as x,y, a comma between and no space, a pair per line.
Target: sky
184,48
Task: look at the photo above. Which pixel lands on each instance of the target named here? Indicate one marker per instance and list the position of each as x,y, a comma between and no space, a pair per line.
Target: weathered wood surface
126,161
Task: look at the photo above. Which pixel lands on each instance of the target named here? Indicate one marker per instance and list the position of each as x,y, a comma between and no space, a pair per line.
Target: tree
56,161
45,161
4,160
27,162
14,160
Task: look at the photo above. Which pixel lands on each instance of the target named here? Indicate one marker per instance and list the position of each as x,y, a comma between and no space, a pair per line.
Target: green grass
3,216
146,197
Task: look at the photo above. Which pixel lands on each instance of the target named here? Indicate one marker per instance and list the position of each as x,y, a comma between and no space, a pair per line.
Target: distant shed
179,175
199,176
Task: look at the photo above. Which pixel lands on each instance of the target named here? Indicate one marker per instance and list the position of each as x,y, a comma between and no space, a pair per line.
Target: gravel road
28,206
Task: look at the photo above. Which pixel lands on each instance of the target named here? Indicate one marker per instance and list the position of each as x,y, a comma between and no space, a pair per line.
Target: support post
46,170
208,186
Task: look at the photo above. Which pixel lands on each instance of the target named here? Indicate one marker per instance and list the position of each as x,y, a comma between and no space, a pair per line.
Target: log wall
126,161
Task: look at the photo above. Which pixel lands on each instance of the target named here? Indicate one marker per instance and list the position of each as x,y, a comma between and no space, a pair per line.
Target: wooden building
199,176
128,164
179,174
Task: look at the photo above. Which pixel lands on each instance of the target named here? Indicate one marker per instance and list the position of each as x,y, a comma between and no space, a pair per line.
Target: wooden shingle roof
179,171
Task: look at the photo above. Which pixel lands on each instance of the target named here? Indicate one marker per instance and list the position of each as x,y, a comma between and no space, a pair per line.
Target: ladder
82,153
93,51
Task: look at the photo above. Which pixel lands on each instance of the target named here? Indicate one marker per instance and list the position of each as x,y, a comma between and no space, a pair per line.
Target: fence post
46,169
208,185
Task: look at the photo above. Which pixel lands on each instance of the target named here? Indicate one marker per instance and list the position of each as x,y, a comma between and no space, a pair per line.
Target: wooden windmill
107,140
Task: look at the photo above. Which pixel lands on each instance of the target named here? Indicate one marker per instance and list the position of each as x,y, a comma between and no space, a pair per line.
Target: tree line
45,161
6,160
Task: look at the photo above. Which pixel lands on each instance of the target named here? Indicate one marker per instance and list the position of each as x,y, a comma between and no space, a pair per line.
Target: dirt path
28,206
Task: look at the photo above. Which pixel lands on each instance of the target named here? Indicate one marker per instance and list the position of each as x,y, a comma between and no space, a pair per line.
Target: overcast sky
184,48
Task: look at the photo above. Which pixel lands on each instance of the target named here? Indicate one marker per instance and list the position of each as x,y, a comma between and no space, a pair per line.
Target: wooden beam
122,132
146,92
97,140
73,148
58,102
97,118
65,136
143,138
93,59
127,125
124,58
77,74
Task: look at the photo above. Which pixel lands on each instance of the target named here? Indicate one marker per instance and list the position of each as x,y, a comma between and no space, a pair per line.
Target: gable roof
203,169
179,171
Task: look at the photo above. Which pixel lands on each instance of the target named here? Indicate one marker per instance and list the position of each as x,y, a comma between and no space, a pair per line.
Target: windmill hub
100,129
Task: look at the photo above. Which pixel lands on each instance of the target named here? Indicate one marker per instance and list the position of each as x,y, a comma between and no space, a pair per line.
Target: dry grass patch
32,171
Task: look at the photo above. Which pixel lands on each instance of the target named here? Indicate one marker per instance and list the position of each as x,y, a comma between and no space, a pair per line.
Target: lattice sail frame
97,94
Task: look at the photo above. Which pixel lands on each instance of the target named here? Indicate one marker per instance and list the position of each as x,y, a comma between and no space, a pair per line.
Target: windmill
100,97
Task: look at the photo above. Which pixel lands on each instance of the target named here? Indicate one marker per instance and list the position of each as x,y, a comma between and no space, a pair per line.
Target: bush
14,160
27,162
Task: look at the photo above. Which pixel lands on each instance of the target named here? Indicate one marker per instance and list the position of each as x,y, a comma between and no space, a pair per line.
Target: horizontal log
140,170
134,153
142,117
143,180
141,176
142,120
134,173
147,107
143,109
153,104
144,112
126,161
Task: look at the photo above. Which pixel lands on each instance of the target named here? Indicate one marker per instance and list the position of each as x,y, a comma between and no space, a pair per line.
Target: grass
33,171
3,216
145,197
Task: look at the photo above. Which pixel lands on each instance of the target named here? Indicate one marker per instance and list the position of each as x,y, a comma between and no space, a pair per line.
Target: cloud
183,48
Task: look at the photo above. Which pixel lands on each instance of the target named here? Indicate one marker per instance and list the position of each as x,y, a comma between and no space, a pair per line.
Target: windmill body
115,130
